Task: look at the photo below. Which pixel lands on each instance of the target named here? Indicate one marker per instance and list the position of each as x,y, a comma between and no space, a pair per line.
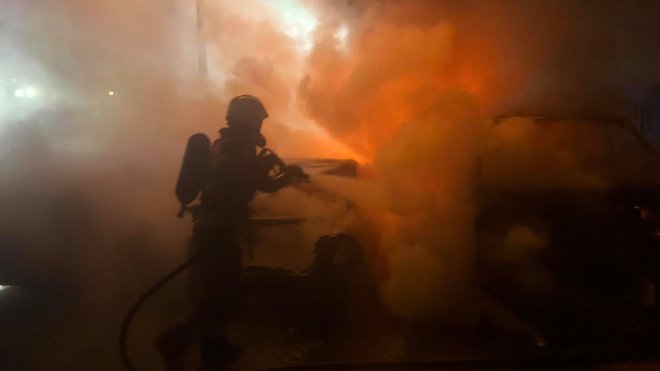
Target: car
567,229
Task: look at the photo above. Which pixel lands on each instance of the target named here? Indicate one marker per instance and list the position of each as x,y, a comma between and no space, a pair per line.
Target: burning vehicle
570,239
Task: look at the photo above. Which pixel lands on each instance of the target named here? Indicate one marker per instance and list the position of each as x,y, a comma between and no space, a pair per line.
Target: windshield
258,184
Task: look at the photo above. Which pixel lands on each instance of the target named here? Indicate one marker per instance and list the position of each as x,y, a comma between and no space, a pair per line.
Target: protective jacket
233,176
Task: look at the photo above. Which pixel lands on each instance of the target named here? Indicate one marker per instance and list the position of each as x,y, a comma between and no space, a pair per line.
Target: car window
633,160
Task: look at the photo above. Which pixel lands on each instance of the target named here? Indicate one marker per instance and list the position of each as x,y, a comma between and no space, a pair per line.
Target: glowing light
4,287
31,92
26,92
111,93
297,22
342,35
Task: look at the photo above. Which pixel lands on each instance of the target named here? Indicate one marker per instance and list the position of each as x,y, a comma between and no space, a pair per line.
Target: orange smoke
363,93
396,93
390,69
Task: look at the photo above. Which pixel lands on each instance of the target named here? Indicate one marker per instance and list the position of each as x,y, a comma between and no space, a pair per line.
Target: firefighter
235,173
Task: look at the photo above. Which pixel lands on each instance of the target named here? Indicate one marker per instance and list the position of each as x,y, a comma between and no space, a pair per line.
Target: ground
60,330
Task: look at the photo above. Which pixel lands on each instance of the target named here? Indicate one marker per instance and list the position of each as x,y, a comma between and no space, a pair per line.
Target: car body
565,230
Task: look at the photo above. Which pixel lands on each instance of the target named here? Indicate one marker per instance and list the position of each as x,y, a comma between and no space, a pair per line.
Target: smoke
88,176
521,153
520,251
390,90
406,87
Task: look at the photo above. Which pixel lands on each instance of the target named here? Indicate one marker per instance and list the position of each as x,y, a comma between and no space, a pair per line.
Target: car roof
564,117
584,117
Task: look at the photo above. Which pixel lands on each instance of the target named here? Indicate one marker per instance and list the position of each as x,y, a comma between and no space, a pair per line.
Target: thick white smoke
408,87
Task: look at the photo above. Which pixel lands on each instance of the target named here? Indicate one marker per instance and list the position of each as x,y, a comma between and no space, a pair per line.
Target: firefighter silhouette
226,175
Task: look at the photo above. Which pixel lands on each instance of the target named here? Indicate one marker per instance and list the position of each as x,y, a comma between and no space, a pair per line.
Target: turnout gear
230,183
206,168
228,175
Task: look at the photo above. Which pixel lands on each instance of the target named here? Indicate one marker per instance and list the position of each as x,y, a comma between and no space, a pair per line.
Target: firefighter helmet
246,109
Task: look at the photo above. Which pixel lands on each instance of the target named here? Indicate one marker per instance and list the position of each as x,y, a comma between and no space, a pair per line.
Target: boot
217,353
172,349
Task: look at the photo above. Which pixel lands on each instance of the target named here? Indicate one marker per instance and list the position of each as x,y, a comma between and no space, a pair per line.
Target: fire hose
128,319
